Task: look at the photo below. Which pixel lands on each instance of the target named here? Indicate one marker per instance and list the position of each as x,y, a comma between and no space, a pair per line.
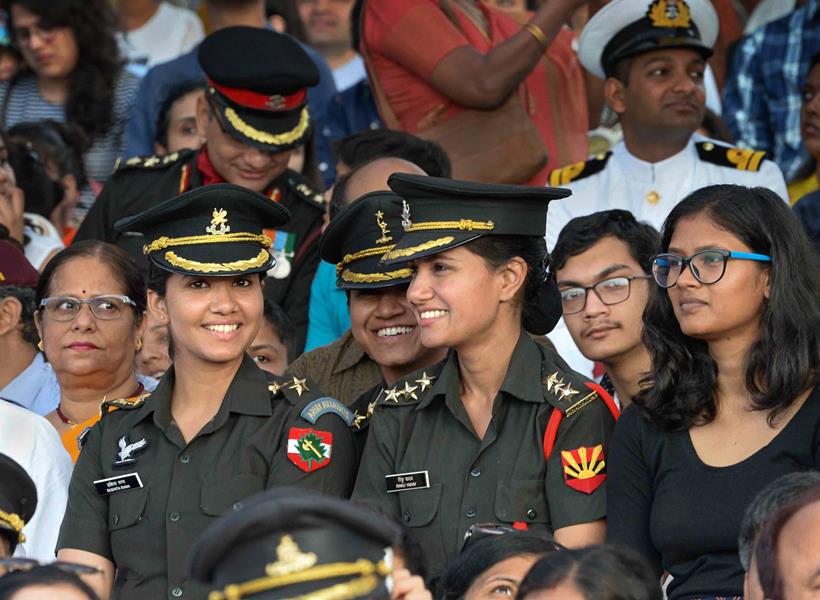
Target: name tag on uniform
121,483
403,482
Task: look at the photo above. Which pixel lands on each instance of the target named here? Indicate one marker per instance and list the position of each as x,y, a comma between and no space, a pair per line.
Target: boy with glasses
601,264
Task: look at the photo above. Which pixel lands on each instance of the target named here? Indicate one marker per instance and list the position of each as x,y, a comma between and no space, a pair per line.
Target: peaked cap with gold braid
18,500
257,85
212,230
359,236
296,543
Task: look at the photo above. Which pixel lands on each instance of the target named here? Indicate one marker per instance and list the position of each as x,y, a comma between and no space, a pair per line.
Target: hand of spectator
407,586
12,204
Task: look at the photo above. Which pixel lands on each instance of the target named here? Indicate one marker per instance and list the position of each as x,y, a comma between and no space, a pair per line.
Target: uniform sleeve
629,501
393,29
96,224
378,460
334,478
744,106
576,481
772,178
85,525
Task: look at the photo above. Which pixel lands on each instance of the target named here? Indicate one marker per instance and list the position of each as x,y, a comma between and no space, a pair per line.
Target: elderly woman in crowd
91,299
734,332
75,75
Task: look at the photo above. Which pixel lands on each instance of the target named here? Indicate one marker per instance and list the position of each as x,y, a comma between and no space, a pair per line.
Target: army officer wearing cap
18,501
254,113
154,473
502,431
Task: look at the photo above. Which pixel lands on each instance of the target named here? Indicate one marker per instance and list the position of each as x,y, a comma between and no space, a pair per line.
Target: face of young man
327,23
605,332
662,92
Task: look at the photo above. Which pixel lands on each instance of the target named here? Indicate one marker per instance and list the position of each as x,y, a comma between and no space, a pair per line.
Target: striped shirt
26,104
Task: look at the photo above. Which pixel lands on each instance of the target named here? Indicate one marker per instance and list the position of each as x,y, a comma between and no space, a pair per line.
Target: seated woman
734,334
90,348
501,431
217,429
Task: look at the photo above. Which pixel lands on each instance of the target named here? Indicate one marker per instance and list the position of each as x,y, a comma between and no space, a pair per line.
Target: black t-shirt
685,515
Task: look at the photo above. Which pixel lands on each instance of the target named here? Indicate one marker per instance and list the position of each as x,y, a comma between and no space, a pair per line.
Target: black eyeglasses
609,291
66,308
707,266
27,564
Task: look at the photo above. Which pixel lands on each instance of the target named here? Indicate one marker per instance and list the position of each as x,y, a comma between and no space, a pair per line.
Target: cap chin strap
263,137
16,523
237,266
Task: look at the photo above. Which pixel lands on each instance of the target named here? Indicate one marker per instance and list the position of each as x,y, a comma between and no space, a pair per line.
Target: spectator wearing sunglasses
90,303
601,264
733,328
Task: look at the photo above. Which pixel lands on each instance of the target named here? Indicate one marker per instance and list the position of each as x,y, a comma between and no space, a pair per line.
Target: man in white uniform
653,56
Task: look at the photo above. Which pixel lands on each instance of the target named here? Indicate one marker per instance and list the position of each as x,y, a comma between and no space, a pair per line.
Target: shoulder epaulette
407,391
579,170
741,159
306,192
125,403
138,163
298,392
567,393
327,405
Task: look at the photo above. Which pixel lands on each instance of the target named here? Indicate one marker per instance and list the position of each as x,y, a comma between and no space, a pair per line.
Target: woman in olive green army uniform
153,474
503,431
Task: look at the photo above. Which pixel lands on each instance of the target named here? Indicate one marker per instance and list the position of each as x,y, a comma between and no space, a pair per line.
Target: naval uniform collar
642,170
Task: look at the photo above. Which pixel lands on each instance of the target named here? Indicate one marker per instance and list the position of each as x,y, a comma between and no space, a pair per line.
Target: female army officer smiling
154,474
502,431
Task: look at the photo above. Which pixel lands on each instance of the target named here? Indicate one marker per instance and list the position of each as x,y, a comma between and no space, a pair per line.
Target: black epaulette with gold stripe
306,192
741,159
150,162
579,170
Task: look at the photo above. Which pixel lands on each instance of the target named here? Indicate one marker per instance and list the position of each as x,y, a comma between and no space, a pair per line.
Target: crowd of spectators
410,299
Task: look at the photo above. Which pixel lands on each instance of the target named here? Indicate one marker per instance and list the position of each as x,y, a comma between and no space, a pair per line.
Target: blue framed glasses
707,266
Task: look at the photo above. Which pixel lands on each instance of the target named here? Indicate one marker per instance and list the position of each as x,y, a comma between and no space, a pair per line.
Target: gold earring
40,346
139,344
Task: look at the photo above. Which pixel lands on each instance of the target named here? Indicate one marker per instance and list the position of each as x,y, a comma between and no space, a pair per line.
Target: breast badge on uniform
584,468
309,449
127,451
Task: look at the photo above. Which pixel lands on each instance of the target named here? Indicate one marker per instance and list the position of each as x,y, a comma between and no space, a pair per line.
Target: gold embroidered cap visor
625,28
18,500
295,543
357,239
439,214
215,230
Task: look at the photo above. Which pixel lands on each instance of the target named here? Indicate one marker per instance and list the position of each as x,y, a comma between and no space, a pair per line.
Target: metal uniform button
531,514
471,512
174,516
116,519
185,459
406,517
237,505
176,592
475,472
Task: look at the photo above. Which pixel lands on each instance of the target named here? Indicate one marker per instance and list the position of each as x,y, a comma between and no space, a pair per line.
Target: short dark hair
785,361
48,575
582,233
25,296
125,270
365,146
289,11
62,144
598,572
337,196
766,550
174,93
282,324
483,554
780,492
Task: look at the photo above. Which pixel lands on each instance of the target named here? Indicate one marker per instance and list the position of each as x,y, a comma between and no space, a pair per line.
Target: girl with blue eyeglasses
731,402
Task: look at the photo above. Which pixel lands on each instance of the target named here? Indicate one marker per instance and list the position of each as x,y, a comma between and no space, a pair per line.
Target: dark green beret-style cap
212,230
439,214
18,500
257,84
296,543
359,236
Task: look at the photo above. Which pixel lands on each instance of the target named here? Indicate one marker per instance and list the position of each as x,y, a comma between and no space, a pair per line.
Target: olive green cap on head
359,236
212,230
439,214
296,543
18,500
257,84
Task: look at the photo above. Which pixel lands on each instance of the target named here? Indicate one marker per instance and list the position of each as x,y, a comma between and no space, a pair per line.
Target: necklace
62,416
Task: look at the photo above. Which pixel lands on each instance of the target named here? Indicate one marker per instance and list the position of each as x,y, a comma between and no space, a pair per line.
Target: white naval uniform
650,190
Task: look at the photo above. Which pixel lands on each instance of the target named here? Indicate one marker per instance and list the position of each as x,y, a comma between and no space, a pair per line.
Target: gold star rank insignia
551,381
392,395
152,162
300,385
409,391
426,381
568,392
274,388
358,420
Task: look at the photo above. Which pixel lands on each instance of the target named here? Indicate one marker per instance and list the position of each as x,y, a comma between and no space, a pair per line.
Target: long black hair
90,102
785,361
45,575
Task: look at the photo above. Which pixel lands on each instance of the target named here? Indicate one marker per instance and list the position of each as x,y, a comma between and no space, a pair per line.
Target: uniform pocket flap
224,494
418,507
126,508
521,500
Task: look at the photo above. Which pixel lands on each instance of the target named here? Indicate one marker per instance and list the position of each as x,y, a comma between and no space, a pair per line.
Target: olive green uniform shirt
421,425
147,531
